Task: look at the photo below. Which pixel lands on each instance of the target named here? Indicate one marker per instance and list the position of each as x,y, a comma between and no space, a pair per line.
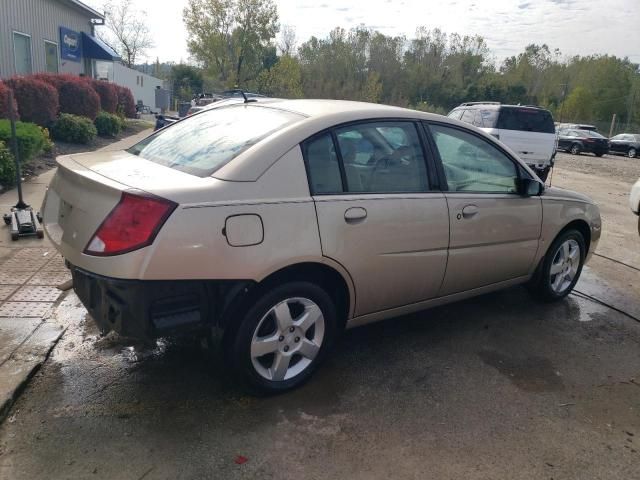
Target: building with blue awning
58,36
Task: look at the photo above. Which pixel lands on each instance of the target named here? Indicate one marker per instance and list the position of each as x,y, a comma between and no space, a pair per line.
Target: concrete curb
24,362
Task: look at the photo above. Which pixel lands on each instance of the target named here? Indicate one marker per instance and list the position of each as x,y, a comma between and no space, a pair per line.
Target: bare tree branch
126,31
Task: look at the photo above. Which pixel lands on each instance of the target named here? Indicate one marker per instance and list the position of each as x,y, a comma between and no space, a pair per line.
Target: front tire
632,152
575,149
282,338
561,268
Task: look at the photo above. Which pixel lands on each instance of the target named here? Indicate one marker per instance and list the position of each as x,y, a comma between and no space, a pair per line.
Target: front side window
382,157
471,164
201,144
51,56
22,53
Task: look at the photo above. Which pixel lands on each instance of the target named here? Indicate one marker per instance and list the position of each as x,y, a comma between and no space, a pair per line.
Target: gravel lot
616,167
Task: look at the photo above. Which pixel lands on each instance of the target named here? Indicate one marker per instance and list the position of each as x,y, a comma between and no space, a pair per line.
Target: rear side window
468,116
525,119
489,118
201,144
386,157
372,157
322,164
457,113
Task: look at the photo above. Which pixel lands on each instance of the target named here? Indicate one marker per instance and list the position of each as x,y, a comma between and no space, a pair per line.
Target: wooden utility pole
613,123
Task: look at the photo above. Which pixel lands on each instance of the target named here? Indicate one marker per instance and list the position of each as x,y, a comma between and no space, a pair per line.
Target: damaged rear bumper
147,309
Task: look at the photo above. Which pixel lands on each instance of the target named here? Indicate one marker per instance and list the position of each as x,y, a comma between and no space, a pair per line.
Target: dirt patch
616,167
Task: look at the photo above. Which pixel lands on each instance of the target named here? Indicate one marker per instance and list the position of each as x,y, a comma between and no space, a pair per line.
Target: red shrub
126,103
37,101
76,94
108,93
78,98
54,79
4,103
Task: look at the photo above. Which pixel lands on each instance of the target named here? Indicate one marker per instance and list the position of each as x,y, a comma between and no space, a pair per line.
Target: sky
576,27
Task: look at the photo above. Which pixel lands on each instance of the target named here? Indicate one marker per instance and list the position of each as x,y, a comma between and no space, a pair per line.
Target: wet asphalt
499,387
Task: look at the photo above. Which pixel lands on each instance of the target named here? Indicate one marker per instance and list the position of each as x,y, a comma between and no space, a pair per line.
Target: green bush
107,124
7,167
31,138
73,129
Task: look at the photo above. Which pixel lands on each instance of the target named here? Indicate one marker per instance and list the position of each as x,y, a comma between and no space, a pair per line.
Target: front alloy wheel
564,266
560,269
575,149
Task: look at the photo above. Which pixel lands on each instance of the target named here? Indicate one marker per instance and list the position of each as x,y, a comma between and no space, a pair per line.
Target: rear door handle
469,211
355,214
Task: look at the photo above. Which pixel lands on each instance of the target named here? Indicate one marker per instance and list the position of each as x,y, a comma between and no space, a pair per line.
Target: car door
377,214
564,139
618,144
495,232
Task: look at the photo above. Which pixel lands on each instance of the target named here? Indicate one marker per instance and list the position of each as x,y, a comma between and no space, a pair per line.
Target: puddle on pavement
533,374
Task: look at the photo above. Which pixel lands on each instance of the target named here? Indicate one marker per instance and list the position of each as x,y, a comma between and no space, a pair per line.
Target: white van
528,131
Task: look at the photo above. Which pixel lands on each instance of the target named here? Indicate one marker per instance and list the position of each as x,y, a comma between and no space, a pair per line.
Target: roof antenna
244,95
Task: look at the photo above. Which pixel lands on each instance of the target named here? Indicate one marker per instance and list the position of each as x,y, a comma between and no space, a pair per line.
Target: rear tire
575,149
599,154
561,267
282,338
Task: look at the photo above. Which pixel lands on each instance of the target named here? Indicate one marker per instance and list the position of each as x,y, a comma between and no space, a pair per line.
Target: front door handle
469,211
355,214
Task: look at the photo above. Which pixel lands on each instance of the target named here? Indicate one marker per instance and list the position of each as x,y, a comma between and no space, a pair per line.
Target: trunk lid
88,186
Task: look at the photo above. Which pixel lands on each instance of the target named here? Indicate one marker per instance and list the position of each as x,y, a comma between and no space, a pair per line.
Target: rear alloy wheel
283,337
561,267
575,149
632,152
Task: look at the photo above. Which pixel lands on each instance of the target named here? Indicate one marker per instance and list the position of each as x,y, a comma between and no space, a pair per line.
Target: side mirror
528,187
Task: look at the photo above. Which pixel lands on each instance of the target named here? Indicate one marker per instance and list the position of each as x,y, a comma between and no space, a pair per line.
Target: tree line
235,43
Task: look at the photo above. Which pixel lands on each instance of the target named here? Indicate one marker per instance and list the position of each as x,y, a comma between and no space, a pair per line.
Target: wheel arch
334,281
581,226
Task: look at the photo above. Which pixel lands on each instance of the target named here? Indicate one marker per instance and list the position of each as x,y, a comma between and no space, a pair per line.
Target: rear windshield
202,143
523,119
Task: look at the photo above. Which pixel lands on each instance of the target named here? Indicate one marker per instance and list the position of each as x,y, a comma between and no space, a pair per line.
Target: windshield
523,119
202,143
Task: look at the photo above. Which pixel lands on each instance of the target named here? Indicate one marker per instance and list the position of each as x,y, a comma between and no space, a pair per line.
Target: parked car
576,126
634,201
196,109
528,131
164,120
625,144
577,141
282,222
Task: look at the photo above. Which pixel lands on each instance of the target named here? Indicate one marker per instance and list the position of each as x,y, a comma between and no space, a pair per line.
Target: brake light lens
132,224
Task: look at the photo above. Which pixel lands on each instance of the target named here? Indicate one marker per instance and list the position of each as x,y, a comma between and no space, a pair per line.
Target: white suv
528,131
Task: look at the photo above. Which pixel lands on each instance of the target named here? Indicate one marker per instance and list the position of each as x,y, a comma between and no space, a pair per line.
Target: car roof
497,106
319,115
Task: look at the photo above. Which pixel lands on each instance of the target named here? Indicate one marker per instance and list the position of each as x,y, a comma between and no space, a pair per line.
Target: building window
51,56
103,70
22,53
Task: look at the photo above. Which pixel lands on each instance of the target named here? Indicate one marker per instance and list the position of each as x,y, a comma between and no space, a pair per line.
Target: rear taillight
132,224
